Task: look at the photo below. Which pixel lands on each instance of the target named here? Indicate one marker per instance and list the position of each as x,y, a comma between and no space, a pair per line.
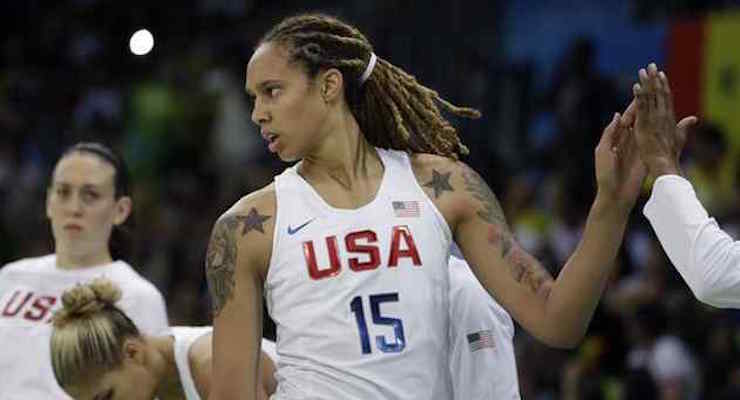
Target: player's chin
289,155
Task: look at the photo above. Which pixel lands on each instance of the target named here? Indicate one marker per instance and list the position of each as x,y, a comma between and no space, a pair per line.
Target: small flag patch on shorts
406,209
481,340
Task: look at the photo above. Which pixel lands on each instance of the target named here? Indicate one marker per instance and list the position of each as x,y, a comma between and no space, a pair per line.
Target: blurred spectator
663,355
711,169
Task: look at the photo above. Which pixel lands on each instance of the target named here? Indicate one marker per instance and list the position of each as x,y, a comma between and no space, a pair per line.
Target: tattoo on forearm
529,272
491,210
524,268
500,236
440,183
221,255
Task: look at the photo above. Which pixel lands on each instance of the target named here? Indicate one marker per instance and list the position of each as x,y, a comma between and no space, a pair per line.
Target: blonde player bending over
87,201
97,352
125,364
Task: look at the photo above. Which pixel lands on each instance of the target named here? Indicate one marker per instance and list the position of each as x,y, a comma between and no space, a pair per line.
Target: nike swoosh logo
299,227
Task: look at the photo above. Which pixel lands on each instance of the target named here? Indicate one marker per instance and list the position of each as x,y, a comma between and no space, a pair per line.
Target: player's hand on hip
659,139
619,170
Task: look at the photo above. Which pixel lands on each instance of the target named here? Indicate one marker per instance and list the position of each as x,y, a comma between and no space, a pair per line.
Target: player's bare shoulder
447,182
201,360
241,238
253,219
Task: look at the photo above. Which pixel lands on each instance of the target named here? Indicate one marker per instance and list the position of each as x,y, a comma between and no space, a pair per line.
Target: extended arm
707,258
557,311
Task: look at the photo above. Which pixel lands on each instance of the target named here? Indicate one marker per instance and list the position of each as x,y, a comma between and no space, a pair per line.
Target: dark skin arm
236,266
556,311
659,139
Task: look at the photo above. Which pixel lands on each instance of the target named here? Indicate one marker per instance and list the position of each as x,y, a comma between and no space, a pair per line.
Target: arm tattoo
221,255
527,270
501,238
524,268
440,183
491,211
253,221
221,261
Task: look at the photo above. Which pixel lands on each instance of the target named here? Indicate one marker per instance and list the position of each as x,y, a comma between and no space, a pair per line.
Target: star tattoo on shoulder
253,221
222,253
440,183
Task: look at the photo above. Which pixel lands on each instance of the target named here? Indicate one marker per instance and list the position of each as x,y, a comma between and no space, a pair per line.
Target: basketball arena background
547,75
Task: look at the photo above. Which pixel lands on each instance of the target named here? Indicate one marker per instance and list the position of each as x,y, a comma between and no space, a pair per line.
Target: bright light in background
141,42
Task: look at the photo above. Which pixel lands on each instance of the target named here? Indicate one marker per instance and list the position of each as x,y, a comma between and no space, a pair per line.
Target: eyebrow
262,85
83,186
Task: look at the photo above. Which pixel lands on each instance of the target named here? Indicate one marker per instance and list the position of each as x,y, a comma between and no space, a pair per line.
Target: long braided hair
391,107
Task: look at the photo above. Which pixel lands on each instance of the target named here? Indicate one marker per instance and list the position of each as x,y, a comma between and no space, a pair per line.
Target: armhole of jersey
275,234
439,218
184,339
270,348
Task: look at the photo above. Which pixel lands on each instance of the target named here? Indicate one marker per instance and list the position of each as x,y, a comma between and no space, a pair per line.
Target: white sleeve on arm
707,258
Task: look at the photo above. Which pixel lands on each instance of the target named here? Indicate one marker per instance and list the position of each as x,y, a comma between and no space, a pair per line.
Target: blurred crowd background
547,75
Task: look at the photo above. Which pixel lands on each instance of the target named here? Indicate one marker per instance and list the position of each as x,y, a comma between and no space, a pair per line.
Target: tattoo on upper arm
491,211
440,183
221,261
221,255
253,221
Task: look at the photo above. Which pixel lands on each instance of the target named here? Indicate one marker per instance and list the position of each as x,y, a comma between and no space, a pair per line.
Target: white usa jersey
30,291
184,338
482,361
360,296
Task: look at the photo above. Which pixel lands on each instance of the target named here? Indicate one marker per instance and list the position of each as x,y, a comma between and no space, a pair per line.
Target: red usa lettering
362,242
27,305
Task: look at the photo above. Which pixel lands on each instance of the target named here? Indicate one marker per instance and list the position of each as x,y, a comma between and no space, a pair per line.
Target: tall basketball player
349,247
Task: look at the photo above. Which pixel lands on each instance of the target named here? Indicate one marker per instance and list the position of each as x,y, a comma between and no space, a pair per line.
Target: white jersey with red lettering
30,291
360,296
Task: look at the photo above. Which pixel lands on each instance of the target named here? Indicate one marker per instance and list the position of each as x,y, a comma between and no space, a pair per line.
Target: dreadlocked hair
392,109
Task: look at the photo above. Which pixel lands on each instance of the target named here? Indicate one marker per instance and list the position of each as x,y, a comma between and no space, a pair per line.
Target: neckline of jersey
378,195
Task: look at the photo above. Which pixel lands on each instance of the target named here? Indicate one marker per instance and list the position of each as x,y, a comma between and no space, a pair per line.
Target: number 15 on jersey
356,306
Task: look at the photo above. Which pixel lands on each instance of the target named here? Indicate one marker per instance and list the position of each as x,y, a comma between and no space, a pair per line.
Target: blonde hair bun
85,300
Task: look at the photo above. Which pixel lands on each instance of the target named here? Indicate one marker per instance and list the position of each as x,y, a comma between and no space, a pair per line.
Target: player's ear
123,210
331,84
134,351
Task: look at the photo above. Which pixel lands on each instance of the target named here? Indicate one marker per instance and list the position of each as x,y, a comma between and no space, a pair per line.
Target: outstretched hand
619,170
659,139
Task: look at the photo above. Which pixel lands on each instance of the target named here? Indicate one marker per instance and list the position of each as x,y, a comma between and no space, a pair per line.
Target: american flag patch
406,208
481,340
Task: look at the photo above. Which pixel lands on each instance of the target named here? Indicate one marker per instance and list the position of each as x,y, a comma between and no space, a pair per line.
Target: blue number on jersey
375,300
